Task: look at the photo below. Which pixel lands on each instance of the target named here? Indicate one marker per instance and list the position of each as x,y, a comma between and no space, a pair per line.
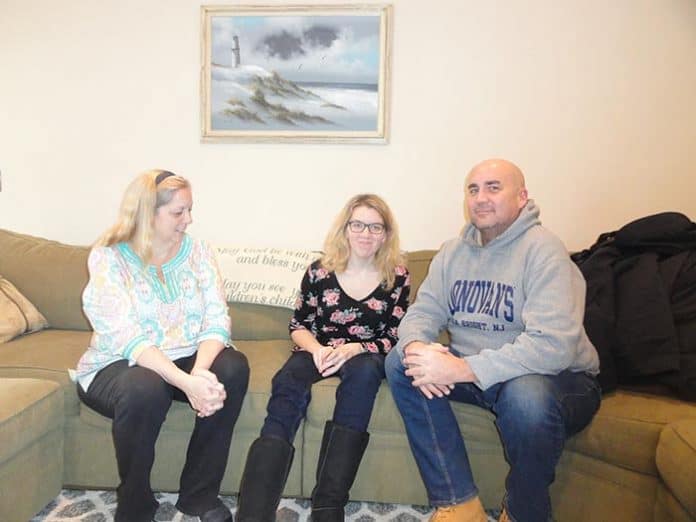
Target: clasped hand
205,393
329,360
432,367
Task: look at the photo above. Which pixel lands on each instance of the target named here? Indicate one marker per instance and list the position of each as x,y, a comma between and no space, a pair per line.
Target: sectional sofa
635,462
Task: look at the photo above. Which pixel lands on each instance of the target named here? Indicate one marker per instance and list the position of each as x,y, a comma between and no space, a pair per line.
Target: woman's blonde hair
337,248
145,194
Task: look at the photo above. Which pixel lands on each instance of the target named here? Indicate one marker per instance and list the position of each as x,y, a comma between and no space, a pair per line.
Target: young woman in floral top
344,324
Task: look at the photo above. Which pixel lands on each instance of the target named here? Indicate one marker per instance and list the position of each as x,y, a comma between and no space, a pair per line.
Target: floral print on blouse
130,309
335,318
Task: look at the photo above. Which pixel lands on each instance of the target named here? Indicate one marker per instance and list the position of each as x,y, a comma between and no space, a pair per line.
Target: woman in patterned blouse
344,324
161,330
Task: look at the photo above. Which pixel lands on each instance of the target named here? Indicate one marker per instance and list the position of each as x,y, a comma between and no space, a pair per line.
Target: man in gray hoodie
513,303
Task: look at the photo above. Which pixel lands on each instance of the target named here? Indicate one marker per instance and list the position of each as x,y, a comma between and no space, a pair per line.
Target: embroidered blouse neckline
173,263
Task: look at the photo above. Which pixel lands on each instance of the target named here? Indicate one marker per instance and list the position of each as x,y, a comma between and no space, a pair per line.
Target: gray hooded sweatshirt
512,307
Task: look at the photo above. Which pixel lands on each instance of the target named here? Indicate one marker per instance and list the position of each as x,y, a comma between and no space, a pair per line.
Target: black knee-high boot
266,470
339,458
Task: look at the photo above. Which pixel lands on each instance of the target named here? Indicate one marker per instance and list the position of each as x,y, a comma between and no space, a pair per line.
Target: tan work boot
469,511
504,517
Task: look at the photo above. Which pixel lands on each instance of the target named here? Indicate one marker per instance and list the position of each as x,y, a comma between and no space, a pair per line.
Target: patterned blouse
335,318
130,309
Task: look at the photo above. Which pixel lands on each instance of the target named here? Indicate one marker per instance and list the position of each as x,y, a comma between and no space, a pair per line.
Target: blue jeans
360,377
535,414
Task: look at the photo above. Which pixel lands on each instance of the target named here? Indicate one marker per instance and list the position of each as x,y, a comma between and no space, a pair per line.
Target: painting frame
311,114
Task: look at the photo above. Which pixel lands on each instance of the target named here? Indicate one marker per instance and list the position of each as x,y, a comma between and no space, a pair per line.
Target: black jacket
640,311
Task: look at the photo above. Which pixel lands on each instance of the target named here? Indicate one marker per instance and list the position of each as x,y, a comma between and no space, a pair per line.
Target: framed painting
307,73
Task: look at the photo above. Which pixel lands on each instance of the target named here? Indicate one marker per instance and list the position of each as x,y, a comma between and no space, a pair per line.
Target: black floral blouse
335,318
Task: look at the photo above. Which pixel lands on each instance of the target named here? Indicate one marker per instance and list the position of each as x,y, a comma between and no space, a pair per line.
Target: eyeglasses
359,226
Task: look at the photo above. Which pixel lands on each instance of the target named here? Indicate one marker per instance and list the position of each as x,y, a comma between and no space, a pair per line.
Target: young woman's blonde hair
337,248
145,194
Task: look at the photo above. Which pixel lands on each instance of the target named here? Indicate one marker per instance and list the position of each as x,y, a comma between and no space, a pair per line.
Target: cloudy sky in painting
302,48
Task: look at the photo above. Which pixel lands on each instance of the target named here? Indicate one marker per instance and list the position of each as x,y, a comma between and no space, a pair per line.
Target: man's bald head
503,168
495,194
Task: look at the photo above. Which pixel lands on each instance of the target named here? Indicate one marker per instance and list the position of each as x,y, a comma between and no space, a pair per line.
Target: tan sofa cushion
46,355
418,264
668,508
257,322
17,314
30,408
676,460
50,274
627,428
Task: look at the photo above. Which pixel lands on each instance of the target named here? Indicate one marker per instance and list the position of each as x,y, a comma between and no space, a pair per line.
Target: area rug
99,506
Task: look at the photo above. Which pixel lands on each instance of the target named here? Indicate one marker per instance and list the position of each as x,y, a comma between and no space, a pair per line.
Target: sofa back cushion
254,322
51,275
418,264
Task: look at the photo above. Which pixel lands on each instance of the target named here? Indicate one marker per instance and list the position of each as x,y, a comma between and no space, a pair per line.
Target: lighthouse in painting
235,51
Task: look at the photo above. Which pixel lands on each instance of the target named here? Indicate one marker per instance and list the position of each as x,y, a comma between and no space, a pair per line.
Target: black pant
137,399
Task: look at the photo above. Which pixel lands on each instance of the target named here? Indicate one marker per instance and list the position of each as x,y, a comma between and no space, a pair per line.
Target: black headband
162,176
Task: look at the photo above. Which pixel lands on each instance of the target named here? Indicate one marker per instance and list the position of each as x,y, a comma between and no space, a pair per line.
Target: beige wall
595,100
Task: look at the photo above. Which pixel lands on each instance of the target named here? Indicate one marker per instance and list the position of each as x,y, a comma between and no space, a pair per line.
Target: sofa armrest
676,461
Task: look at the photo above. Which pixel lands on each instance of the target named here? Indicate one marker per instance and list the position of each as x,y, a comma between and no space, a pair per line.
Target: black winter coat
640,311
